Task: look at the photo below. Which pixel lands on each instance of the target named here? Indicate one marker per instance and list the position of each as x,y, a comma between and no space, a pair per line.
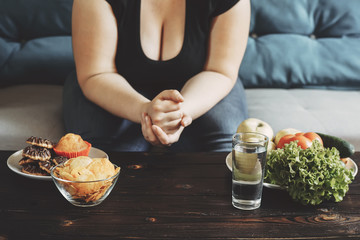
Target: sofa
301,68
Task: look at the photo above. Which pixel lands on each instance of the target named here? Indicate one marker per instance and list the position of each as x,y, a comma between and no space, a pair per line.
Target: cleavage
162,28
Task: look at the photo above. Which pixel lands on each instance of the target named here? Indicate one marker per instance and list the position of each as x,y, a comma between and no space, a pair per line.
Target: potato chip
79,162
85,175
66,176
86,169
70,189
85,188
102,168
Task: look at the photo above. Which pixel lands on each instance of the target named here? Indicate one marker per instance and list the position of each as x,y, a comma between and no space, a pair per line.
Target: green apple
256,125
271,146
284,132
246,166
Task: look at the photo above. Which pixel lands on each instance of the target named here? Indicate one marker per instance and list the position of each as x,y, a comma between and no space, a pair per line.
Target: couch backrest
293,43
35,41
303,43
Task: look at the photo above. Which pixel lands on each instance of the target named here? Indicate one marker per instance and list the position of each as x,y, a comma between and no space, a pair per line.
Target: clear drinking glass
248,165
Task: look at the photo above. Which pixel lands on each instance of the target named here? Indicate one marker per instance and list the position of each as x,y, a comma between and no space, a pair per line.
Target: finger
175,136
173,95
171,127
170,106
151,135
143,127
165,106
164,118
174,115
147,130
142,122
161,135
186,121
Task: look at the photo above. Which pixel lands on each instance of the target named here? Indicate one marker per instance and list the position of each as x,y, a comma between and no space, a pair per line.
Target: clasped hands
164,118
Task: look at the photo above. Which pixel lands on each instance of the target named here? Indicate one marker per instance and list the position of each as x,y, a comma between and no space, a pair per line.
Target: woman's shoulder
120,3
218,7
119,7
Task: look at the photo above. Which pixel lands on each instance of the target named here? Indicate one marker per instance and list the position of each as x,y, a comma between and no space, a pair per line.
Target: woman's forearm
203,91
113,93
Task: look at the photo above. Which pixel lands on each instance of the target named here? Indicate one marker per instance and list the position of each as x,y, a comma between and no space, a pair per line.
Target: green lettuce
311,175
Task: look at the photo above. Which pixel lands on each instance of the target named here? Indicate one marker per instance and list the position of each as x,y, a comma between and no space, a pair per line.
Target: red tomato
304,139
312,136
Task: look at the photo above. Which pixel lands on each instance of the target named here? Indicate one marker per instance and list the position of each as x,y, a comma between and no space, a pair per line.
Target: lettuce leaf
311,175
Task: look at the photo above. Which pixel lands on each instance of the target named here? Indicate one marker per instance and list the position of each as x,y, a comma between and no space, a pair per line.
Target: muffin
72,145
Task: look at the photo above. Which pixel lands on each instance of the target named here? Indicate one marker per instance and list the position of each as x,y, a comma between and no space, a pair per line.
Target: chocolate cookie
26,160
36,153
33,169
46,165
59,159
40,142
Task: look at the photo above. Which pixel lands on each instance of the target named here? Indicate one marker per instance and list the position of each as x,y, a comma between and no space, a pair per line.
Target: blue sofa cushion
35,41
303,43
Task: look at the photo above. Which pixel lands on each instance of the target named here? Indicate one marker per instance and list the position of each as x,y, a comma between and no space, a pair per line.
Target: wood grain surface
168,196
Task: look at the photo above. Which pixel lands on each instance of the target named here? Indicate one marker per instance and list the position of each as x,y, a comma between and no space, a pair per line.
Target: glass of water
248,166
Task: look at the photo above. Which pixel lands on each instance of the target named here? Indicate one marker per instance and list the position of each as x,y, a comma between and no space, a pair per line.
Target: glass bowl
84,193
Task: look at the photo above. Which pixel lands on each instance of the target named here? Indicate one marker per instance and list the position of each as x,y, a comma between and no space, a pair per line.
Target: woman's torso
161,48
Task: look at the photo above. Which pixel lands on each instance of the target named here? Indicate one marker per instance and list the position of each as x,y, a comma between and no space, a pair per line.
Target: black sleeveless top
152,76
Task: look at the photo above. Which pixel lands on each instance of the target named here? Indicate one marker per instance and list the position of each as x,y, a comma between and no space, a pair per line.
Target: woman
147,69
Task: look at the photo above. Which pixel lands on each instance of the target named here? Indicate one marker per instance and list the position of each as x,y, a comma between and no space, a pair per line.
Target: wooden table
168,196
